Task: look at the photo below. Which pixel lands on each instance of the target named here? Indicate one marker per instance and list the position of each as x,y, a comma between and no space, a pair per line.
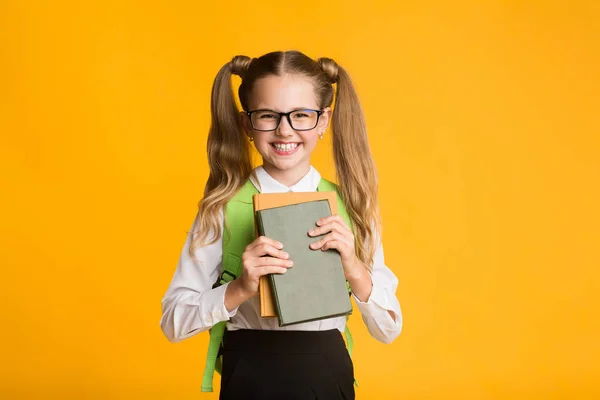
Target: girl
286,98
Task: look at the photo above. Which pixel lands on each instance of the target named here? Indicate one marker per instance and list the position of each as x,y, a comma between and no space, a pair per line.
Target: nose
284,128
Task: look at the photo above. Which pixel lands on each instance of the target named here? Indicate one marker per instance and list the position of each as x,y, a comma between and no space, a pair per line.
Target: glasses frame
287,116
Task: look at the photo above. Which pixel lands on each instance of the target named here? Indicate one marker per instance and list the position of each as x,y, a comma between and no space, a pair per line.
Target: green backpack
241,210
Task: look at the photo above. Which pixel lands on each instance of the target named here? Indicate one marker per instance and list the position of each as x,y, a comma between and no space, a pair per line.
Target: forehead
283,93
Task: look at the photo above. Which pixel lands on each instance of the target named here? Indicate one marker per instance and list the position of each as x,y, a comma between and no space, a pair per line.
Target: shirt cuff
219,312
376,305
232,312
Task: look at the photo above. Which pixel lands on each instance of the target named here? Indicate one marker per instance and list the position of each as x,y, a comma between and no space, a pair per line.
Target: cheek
310,140
260,141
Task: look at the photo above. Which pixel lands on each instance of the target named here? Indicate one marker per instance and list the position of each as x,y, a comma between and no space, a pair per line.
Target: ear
246,123
324,120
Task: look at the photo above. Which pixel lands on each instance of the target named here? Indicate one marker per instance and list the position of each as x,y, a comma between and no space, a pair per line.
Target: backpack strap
238,231
327,186
235,238
212,357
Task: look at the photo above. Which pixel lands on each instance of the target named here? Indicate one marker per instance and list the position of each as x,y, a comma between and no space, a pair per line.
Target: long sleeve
382,301
190,304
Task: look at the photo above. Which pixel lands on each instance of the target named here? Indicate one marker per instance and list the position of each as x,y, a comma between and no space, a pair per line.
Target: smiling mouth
285,148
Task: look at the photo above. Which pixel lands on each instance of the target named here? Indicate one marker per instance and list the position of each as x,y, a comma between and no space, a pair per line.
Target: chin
285,165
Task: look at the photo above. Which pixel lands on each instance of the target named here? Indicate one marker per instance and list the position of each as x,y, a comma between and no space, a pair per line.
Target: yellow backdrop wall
483,118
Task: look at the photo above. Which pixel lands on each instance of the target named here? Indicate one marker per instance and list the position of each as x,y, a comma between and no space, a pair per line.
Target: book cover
315,288
263,201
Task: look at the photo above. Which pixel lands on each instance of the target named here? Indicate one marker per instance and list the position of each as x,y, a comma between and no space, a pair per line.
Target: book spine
259,223
276,299
261,231
256,202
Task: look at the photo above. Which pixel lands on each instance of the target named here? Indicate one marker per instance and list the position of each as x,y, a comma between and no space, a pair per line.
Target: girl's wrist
236,295
360,281
356,272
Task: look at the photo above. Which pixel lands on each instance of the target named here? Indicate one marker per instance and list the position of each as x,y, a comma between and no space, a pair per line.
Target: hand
255,265
339,237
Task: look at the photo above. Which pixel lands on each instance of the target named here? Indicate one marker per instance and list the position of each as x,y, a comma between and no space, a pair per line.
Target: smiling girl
286,99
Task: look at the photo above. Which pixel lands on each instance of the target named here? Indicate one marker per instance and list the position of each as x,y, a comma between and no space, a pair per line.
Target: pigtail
355,168
229,154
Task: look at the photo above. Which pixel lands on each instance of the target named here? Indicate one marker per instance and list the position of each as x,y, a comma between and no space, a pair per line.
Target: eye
266,115
300,115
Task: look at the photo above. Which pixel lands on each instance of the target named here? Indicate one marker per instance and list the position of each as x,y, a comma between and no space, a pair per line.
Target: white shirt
191,305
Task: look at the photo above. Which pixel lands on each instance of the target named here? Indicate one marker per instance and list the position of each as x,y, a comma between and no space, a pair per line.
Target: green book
315,287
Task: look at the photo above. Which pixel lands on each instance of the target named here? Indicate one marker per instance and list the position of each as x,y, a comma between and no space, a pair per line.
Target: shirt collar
265,183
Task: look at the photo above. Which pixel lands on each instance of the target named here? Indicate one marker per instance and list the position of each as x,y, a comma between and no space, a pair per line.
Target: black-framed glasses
299,120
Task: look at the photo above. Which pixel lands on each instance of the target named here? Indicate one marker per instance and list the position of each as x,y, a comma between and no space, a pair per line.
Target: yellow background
483,118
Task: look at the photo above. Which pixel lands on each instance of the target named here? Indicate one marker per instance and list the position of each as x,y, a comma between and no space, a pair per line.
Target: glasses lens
304,119
265,120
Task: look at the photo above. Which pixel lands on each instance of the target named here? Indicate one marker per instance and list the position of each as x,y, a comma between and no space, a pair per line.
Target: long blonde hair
229,150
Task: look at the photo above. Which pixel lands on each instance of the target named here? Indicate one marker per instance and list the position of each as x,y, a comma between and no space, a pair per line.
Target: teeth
285,147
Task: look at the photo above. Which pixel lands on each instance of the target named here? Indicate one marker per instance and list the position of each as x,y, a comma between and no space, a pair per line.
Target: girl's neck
287,177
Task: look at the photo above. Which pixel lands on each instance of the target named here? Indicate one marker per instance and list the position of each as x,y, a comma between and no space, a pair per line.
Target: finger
266,261
264,250
331,226
264,240
332,218
332,236
320,230
335,220
267,249
341,246
271,270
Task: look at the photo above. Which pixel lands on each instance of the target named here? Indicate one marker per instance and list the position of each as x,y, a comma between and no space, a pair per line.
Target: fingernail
311,231
286,255
290,263
279,244
312,245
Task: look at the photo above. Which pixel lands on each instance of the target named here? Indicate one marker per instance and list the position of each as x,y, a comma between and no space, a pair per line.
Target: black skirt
286,365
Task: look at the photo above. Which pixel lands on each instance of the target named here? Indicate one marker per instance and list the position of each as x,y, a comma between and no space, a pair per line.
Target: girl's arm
381,310
375,292
190,304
